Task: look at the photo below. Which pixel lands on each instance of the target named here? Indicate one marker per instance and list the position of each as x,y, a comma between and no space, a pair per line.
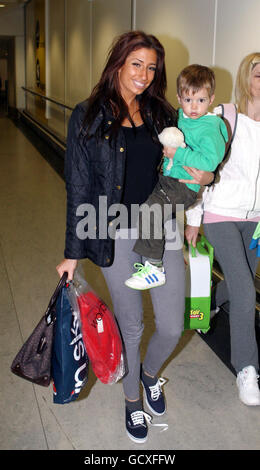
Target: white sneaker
146,277
247,384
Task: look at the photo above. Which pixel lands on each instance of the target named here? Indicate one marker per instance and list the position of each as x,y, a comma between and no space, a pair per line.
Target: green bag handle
193,251
205,248
204,243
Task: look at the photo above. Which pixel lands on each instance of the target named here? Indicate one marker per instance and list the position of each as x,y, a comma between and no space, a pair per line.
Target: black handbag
33,361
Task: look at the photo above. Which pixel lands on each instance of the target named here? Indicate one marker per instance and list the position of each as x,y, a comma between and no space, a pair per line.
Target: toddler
205,137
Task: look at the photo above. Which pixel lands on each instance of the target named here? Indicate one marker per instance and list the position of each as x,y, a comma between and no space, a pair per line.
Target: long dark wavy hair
107,90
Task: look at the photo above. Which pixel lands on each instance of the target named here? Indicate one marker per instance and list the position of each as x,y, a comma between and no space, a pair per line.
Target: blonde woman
230,211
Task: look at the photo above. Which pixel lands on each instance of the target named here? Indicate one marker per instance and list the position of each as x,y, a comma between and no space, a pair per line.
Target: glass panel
55,119
45,59
78,51
55,56
66,47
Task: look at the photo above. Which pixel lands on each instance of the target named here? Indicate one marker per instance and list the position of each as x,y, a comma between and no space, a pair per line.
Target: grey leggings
231,244
168,306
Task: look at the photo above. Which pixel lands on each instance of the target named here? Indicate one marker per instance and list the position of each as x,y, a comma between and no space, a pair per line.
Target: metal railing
50,114
46,98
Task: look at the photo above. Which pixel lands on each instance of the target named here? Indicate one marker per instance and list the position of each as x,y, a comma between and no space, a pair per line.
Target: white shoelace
138,418
156,389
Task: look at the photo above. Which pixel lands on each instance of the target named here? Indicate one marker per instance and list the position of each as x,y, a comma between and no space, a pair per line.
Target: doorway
7,75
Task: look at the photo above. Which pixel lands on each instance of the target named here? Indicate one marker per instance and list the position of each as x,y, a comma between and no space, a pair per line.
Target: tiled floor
203,409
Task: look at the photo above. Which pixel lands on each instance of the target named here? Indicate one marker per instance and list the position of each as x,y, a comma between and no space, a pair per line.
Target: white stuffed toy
171,137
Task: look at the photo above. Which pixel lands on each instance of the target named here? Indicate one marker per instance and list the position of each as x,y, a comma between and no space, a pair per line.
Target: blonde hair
243,81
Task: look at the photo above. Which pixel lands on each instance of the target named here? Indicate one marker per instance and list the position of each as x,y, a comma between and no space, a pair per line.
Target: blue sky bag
69,358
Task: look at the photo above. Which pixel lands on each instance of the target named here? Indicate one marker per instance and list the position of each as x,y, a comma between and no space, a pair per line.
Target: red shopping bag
100,333
101,338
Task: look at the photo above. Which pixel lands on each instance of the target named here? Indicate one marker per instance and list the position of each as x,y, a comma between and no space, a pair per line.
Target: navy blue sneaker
136,426
154,396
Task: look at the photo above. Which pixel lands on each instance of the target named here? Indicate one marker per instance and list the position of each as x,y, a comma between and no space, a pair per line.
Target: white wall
57,50
217,33
11,22
78,54
55,57
185,28
110,18
237,33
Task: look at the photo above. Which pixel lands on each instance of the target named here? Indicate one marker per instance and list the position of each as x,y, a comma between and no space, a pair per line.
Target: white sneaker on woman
248,388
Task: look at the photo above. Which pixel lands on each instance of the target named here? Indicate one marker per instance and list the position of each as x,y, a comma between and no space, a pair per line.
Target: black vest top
143,156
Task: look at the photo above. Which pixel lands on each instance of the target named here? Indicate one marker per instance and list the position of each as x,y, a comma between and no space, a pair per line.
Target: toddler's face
195,105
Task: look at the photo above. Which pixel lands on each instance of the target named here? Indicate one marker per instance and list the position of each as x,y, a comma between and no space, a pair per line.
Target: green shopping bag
198,285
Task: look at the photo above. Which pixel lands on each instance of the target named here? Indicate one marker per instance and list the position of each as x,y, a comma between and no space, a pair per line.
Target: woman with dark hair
113,154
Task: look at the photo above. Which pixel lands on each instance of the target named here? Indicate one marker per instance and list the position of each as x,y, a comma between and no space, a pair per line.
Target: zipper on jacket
257,175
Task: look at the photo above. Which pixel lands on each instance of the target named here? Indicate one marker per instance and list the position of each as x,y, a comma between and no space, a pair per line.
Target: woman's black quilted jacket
93,168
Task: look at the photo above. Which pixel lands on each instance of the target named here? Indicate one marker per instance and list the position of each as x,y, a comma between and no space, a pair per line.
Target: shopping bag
33,361
101,334
69,358
255,241
198,286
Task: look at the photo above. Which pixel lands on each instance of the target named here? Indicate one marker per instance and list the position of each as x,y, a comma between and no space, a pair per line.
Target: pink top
210,218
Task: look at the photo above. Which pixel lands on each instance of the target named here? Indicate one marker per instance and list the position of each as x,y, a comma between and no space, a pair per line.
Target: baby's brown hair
194,77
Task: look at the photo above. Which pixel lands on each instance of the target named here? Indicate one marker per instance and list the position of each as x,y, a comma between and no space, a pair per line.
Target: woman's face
255,81
137,73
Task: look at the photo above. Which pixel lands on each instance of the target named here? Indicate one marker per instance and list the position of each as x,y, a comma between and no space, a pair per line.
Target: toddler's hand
169,152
